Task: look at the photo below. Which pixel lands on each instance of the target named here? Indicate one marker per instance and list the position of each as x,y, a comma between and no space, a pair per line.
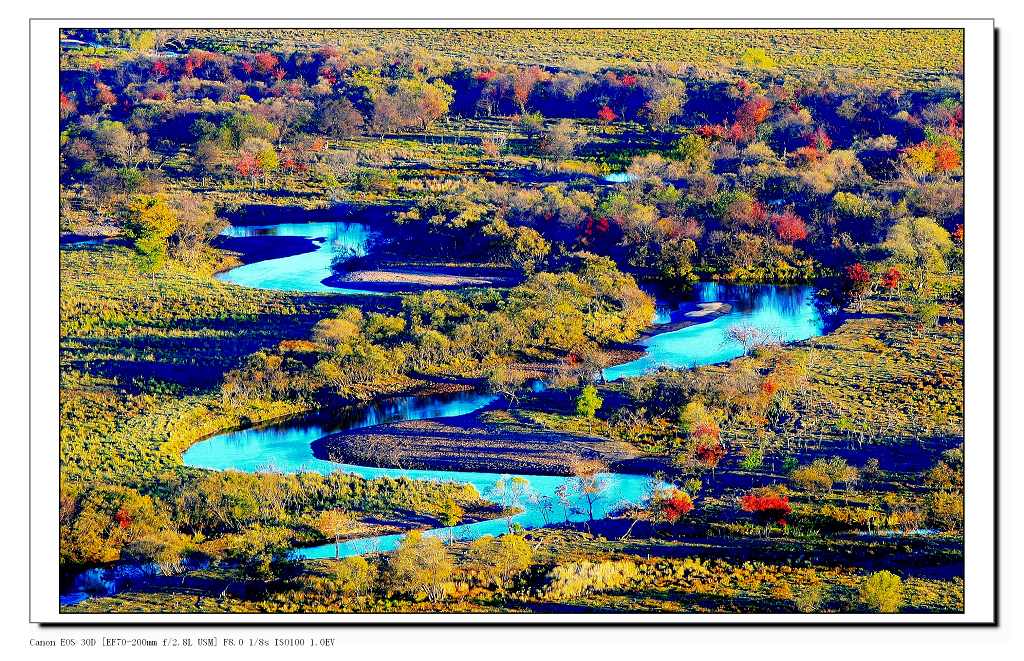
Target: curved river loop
787,314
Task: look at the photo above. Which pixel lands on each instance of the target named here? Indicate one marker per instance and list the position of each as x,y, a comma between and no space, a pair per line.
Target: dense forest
533,205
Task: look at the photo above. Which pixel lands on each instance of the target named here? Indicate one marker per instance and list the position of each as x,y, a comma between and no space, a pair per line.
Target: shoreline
252,249
704,313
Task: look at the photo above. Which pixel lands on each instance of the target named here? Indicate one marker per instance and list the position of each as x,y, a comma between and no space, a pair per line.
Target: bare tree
590,484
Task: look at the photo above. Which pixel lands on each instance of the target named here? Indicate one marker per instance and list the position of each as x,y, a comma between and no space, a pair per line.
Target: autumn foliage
606,114
123,518
675,505
753,112
266,62
789,227
767,505
946,159
892,278
248,165
709,453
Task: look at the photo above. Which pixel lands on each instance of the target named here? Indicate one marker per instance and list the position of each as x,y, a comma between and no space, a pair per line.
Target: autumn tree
353,576
946,500
248,166
750,337
521,246
123,146
523,82
767,505
257,159
752,114
789,227
67,106
507,380
334,524
510,493
882,592
421,564
671,505
606,115
920,243
105,97
198,224
501,558
589,482
693,151
338,118
531,124
661,110
892,280
856,283
148,221
165,548
562,139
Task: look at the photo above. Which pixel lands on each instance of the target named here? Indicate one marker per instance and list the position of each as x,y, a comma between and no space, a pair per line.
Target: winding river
786,313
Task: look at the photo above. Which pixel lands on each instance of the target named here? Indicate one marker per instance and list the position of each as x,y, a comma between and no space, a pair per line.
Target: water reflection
785,313
305,272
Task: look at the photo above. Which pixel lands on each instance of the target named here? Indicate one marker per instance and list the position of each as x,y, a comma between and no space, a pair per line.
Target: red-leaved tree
856,283
709,453
946,159
789,227
123,518
674,505
892,279
68,106
753,112
266,62
606,115
768,507
248,166
160,69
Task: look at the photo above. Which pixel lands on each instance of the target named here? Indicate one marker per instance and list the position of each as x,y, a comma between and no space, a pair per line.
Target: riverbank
704,313
250,249
390,279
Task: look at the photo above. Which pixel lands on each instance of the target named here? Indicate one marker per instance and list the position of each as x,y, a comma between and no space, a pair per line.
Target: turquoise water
785,314
286,447
307,271
788,312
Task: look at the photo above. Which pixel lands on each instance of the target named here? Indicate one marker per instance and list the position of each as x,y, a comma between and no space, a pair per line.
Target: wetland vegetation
549,321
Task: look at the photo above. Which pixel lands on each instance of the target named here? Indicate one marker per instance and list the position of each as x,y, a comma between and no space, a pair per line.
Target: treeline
765,177
245,517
